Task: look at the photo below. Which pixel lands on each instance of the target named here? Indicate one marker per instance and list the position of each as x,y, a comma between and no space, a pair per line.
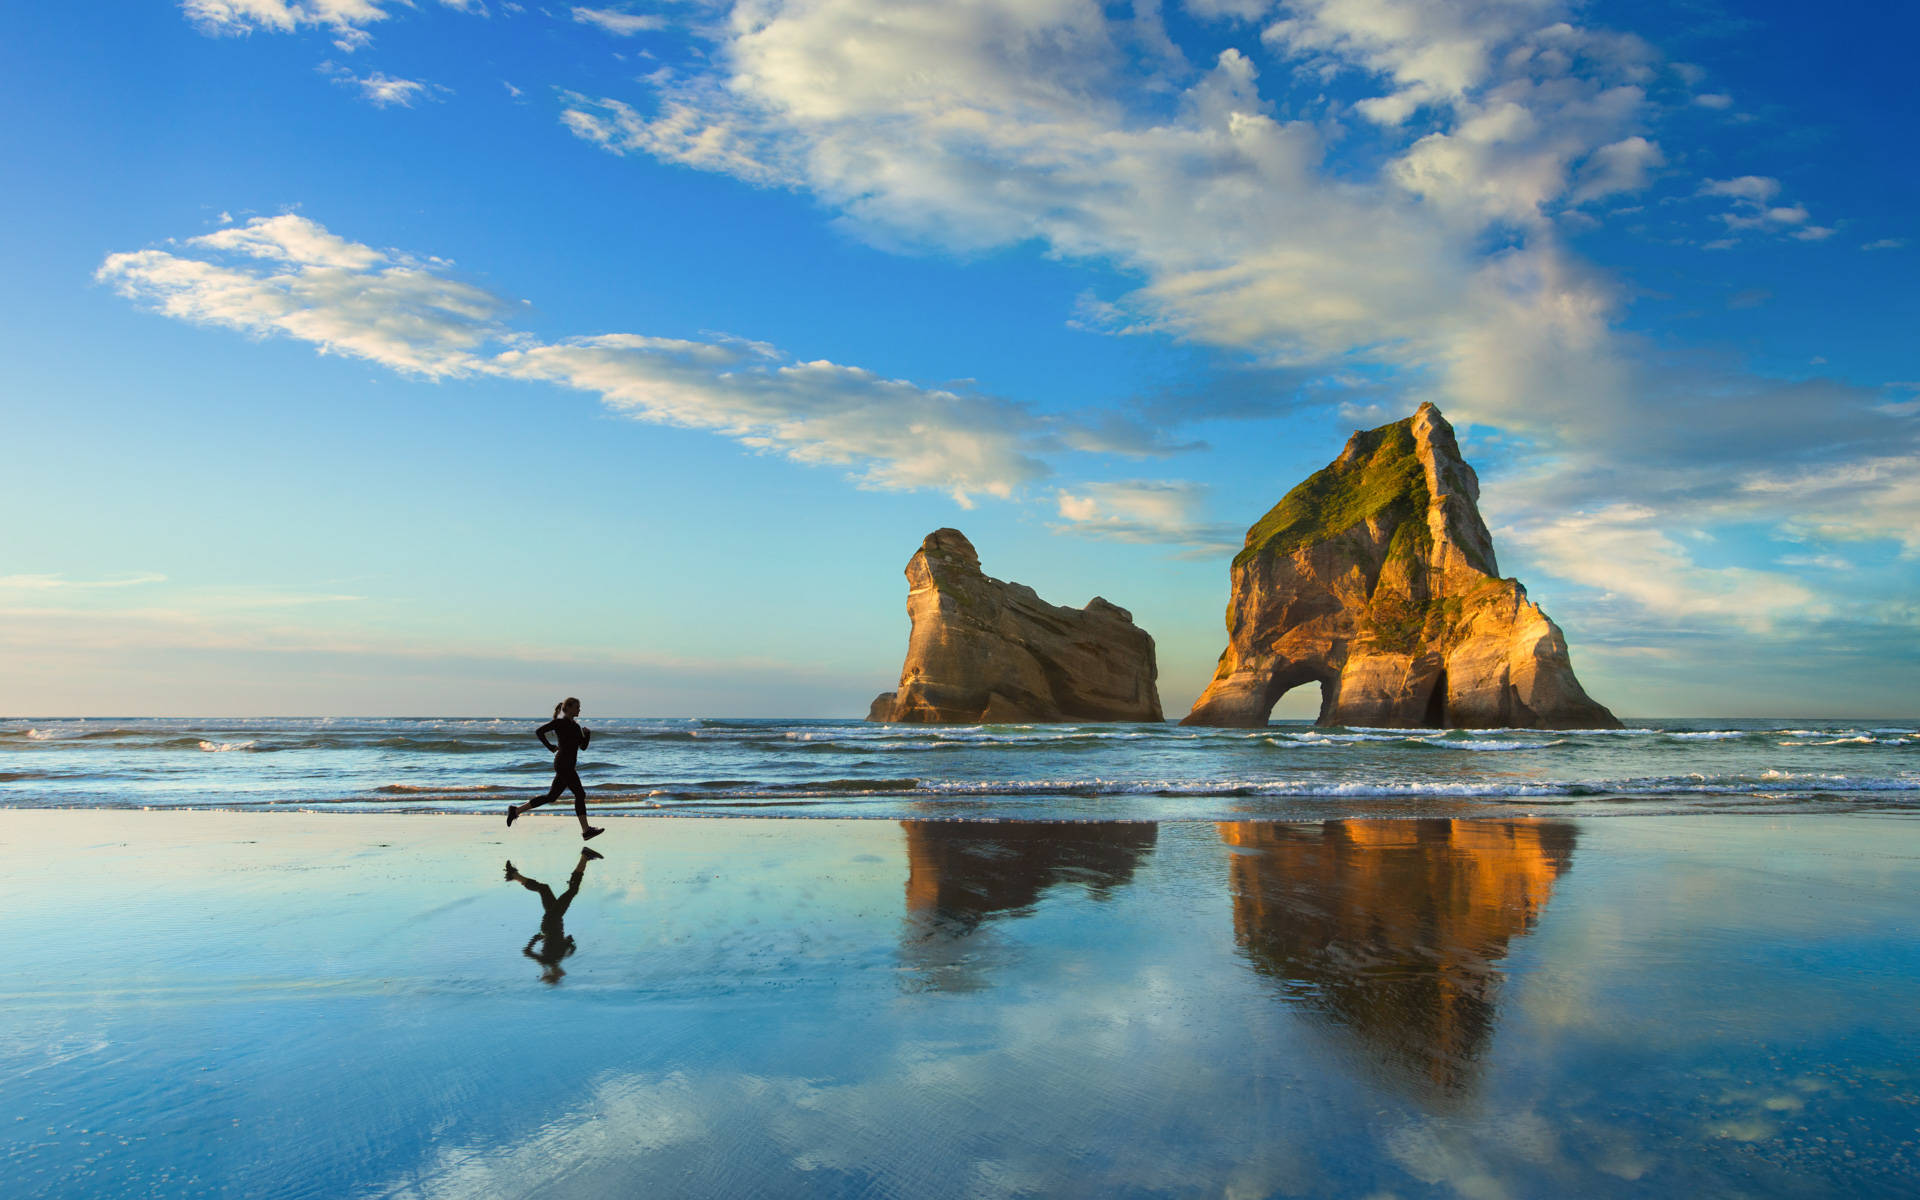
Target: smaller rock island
983,651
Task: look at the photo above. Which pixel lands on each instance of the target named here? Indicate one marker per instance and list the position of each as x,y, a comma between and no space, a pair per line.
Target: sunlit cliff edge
1376,579
983,650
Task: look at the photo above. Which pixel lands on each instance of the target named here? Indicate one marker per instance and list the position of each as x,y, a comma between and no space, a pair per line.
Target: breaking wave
855,768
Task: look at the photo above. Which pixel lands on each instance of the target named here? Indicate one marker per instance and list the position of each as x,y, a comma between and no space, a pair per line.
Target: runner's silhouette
566,771
554,941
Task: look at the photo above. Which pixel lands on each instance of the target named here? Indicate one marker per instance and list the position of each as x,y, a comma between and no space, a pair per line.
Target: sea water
837,768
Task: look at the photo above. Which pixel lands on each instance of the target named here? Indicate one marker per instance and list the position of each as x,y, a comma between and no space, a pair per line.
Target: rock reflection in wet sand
960,875
1394,929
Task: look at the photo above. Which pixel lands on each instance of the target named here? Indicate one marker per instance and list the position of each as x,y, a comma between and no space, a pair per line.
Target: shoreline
1686,808
849,769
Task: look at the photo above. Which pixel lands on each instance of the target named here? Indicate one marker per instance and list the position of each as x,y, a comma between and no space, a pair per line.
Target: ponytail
557,709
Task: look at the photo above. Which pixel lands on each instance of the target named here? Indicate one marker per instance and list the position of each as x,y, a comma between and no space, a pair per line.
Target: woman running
566,774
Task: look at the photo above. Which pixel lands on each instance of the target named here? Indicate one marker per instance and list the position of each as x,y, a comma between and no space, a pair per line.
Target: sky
448,357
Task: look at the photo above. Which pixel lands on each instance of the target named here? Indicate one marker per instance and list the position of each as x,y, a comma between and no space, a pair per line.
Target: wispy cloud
289,275
1622,551
383,90
977,126
51,583
1824,562
890,433
1753,208
347,20
1868,499
618,22
1159,511
1444,268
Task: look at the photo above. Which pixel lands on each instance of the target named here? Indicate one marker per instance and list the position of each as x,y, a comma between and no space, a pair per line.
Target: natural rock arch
1376,577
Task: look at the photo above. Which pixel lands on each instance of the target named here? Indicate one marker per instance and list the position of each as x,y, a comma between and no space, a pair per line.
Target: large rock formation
983,651
1376,579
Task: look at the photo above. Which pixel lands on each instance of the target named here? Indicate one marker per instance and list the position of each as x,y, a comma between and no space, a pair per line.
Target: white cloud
1825,562
1870,499
679,131
1714,100
381,89
1753,208
1621,166
1751,189
1622,552
347,20
1886,244
289,275
620,24
1431,53
1143,510
891,434
1758,217
48,583
979,123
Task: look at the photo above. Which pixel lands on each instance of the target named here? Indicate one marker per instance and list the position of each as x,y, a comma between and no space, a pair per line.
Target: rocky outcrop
987,652
1376,579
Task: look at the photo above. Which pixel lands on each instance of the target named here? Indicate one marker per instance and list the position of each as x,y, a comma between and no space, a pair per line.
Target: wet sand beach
202,1003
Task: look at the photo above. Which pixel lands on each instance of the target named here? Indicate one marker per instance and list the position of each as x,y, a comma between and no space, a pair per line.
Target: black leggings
565,779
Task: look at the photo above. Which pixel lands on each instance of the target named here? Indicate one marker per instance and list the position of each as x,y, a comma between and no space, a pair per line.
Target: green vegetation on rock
1385,470
1396,622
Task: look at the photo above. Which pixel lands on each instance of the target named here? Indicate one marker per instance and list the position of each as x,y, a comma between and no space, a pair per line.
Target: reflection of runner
566,772
552,938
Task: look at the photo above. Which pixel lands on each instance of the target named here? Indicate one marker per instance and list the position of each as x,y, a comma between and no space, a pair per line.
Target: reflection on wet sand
1393,929
553,942
960,874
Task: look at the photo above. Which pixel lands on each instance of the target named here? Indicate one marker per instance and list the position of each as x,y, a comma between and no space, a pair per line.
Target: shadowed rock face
983,651
1376,579
1394,929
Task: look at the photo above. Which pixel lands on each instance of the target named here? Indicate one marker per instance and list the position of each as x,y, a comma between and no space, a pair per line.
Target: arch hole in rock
1303,701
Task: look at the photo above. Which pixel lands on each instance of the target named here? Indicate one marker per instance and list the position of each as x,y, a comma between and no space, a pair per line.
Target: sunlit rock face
1394,929
984,651
1376,579
962,874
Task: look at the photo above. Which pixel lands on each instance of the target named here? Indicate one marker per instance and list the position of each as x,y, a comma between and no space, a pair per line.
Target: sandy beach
285,1004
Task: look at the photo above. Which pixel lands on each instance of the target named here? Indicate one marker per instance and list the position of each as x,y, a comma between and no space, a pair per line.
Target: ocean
838,768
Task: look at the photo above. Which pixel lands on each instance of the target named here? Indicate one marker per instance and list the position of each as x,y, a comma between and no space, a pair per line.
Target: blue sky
368,357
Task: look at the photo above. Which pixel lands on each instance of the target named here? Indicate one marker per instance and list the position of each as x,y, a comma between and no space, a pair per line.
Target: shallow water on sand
330,1005
852,768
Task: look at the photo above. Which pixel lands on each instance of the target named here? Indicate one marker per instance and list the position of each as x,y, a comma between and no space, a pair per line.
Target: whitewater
832,768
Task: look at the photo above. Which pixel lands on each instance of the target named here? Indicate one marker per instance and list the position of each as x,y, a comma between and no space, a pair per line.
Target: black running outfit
566,771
